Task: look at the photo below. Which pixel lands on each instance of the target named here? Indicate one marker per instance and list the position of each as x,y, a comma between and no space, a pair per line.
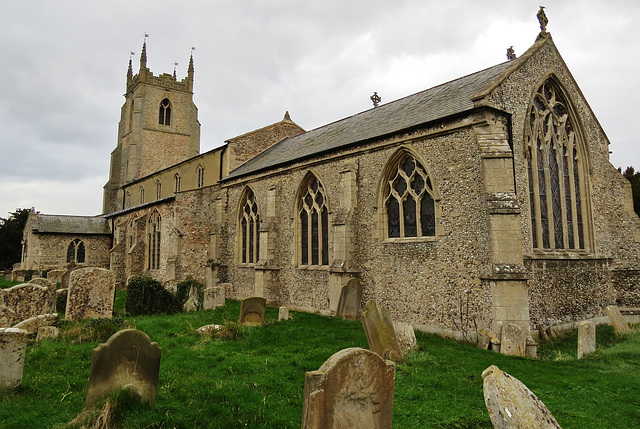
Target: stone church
484,200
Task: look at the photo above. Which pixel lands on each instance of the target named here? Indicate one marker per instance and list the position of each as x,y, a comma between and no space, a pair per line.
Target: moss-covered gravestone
380,332
352,389
127,360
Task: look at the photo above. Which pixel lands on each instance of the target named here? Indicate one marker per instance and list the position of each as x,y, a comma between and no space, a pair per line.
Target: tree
633,176
11,237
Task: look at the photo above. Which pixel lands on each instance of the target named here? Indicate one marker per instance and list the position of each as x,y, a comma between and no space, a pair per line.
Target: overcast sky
63,71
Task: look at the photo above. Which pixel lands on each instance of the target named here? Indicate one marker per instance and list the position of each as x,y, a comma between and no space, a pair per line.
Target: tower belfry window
165,112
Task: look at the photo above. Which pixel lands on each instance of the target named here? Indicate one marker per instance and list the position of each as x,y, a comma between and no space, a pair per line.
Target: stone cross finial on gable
511,54
543,20
376,99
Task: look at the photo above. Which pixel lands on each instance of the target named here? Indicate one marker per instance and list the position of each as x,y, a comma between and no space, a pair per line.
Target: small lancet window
314,224
409,200
141,195
177,182
200,176
158,189
165,112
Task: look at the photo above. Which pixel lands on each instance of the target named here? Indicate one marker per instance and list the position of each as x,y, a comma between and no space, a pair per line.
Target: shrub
147,296
184,291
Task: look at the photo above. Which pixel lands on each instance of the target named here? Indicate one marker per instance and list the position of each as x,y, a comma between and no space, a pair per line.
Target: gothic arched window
165,112
555,172
200,175
141,195
177,182
313,215
153,243
249,229
408,199
76,251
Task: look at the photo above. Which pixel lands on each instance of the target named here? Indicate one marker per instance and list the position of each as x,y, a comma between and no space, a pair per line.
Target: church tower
158,128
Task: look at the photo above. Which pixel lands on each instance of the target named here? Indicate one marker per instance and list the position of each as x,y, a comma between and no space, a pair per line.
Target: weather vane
175,65
376,99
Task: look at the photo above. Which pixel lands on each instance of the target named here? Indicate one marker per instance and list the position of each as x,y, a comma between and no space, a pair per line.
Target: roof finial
376,99
190,70
543,20
130,70
286,116
143,54
511,54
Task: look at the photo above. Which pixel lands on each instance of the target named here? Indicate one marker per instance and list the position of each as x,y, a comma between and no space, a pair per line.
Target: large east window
556,173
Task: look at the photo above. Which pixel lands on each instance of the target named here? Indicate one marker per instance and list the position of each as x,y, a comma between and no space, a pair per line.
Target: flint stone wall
91,294
28,300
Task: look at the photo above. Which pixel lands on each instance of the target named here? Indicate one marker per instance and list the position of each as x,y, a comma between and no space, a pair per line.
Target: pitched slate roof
423,107
59,224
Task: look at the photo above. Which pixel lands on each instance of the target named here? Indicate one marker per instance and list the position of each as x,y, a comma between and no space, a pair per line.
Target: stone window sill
560,254
425,239
313,267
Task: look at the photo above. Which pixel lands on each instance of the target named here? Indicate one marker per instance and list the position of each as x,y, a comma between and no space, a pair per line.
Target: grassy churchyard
254,377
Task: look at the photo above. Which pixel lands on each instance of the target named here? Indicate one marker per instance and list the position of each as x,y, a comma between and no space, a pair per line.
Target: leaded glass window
554,172
164,117
200,176
153,241
409,201
250,229
314,225
76,251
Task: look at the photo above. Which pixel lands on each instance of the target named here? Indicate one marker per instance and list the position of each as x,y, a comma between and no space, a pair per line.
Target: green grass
6,283
258,380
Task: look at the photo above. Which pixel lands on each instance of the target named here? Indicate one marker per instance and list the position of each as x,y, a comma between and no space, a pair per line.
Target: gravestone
283,313
352,389
91,293
350,297
514,340
28,300
127,358
7,317
47,332
33,324
252,311
380,333
512,405
586,338
13,345
41,281
619,323
193,301
406,337
55,276
213,297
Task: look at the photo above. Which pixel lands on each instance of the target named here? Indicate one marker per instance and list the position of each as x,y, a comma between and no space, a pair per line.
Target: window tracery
554,163
250,229
76,251
164,116
177,182
200,175
313,215
153,242
409,200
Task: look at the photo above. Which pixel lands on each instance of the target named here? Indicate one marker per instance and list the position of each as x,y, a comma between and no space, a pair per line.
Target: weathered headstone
352,389
283,313
381,336
514,340
350,297
406,337
55,276
213,297
34,323
7,317
47,332
193,301
13,345
91,294
512,405
586,338
41,281
27,300
127,358
252,311
617,320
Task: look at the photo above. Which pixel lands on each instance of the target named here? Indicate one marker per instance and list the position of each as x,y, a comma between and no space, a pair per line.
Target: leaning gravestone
128,358
213,297
380,332
514,340
512,405
252,311
91,293
586,338
28,300
619,324
13,345
350,297
352,389
406,337
33,324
